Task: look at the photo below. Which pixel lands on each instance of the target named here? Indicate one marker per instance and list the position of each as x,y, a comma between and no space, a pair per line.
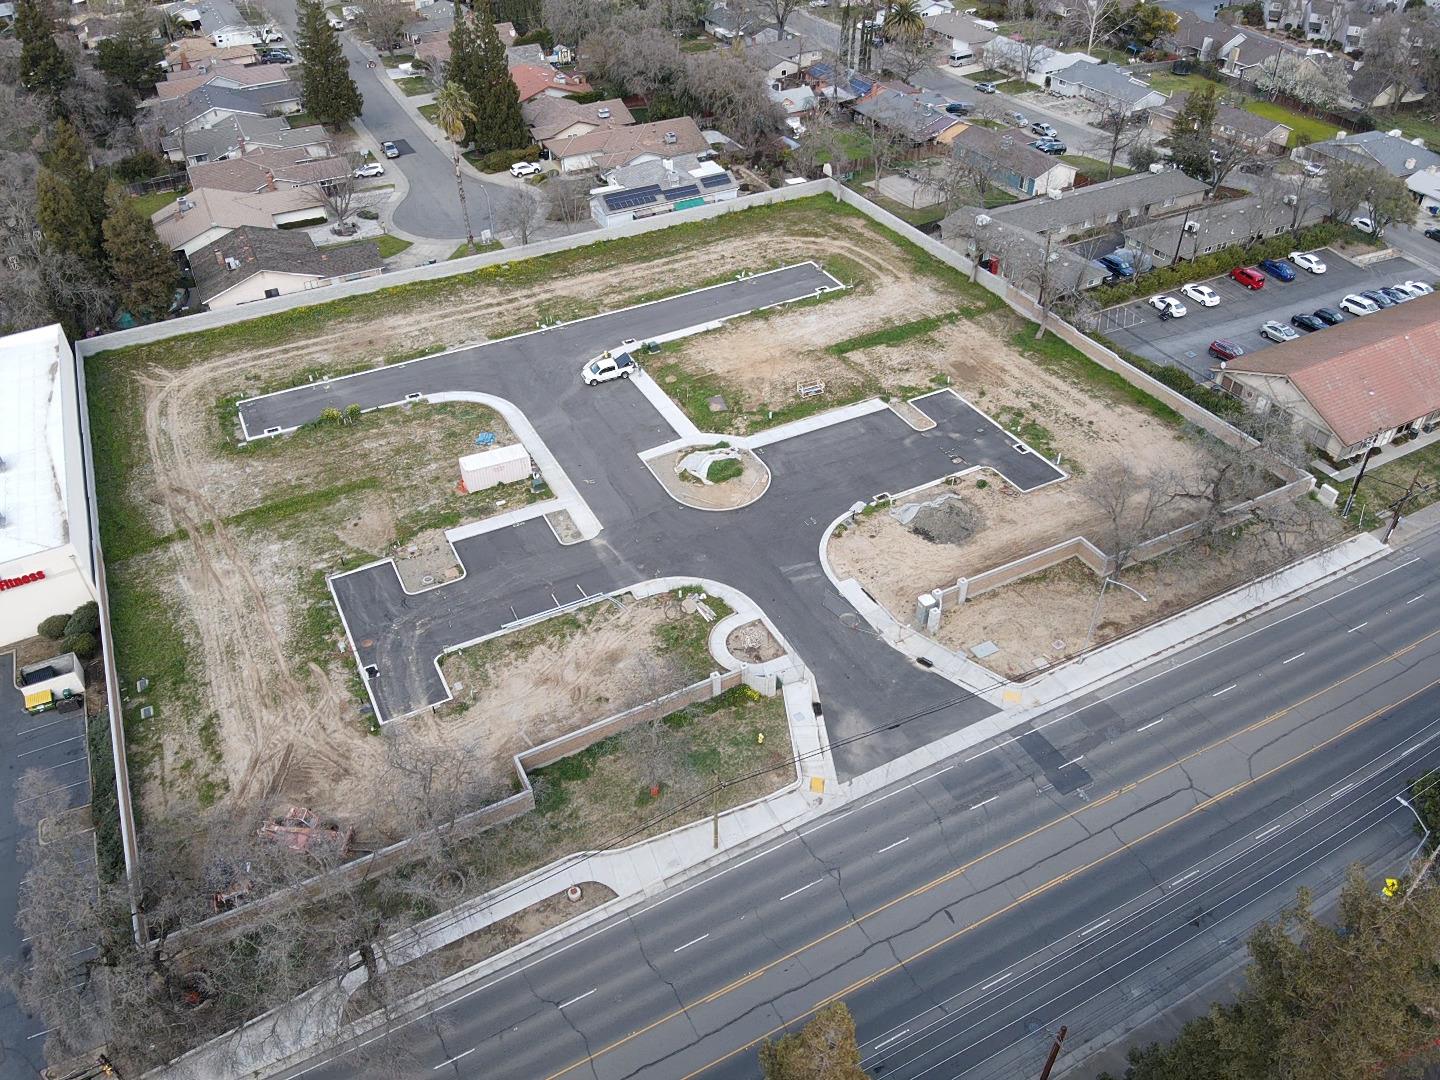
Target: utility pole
1181,239
1054,1052
1364,461
1400,505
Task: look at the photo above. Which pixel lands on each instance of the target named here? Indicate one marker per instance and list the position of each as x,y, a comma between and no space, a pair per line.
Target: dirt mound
753,643
946,521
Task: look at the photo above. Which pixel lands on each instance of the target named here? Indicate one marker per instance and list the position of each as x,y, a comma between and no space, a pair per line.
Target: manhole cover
850,619
1058,645
428,579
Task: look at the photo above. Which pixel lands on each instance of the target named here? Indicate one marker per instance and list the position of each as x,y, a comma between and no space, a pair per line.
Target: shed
502,465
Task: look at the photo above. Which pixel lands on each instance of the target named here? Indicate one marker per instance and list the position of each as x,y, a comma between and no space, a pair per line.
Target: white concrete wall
64,588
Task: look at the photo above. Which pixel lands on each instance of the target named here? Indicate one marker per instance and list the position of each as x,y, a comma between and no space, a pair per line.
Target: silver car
1278,331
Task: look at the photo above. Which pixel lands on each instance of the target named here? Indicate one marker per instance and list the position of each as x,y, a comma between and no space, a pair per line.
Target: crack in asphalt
585,1039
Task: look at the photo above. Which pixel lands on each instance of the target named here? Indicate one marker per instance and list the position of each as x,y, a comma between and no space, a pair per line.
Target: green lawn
1094,168
1302,128
414,87
988,75
390,245
1383,484
1015,86
697,45
1417,127
429,111
396,59
462,251
1167,83
156,200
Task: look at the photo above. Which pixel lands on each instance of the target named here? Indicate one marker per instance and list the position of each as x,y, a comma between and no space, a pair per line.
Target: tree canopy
824,1049
327,91
42,65
145,273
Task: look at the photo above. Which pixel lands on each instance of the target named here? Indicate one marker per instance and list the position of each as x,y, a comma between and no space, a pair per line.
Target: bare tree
569,198
908,55
1133,506
1085,20
520,214
385,22
1347,184
1227,155
337,195
1121,127
777,11
963,182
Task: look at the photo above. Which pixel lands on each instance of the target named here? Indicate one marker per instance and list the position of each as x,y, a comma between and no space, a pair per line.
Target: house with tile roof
192,50
533,80
1358,384
252,264
205,215
1009,161
268,170
561,118
611,147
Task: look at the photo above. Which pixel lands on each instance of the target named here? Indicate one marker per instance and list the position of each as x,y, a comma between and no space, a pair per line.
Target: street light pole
1054,1052
1426,836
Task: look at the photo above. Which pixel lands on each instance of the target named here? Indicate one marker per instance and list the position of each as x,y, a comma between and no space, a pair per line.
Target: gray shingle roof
1008,149
255,100
1390,152
274,249
215,142
1105,79
905,112
1098,201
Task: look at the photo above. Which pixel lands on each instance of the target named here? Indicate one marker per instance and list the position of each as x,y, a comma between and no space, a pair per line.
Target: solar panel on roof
685,192
632,197
718,180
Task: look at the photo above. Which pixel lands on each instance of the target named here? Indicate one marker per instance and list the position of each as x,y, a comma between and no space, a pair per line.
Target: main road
1073,871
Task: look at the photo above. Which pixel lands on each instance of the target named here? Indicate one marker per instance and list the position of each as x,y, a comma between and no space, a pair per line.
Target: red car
1223,349
1251,279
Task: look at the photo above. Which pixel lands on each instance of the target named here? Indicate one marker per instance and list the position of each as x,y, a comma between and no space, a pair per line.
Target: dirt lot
217,557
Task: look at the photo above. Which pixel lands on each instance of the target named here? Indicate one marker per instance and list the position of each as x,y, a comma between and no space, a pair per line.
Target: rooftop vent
670,137
603,114
232,263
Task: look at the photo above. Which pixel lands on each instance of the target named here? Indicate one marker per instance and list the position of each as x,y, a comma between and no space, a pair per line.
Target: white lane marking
937,772
1341,791
984,802
687,944
1227,689
1267,832
1360,627
1414,598
1411,749
887,1042
1147,727
996,982
1295,657
1097,926
50,746
582,997
802,888
889,847
1184,877
457,1057
1073,761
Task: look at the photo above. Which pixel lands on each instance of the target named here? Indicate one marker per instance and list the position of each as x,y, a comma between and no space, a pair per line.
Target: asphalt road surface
1069,872
1185,342
770,550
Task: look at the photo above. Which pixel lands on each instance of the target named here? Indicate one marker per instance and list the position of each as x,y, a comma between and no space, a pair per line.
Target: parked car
524,168
960,108
1168,306
1043,129
275,56
1356,304
1311,169
985,87
369,169
1419,287
1403,288
1307,322
1224,349
1201,294
1433,234
608,366
1364,224
1049,146
1019,119
1377,297
1278,331
1306,261
1116,265
1278,268
390,150
1329,316
1397,296
1249,277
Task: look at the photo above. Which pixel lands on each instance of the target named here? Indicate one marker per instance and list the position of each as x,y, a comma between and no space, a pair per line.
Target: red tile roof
532,80
1366,375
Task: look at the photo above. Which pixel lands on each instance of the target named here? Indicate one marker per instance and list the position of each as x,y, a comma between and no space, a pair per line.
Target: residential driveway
1078,136
1241,313
54,743
769,550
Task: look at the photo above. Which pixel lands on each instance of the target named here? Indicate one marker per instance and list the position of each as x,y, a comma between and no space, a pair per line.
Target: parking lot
1241,312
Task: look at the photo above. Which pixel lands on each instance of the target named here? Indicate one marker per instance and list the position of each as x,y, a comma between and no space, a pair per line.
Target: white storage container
503,465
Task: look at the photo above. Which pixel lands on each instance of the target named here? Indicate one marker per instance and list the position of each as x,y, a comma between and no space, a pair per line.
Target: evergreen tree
69,195
42,65
144,272
327,91
131,56
498,124
465,69
1192,134
824,1049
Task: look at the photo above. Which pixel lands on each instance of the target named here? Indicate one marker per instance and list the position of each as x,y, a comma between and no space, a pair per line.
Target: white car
1278,332
524,168
374,168
1356,304
1168,306
1419,288
1364,224
1311,169
608,365
1306,261
1201,294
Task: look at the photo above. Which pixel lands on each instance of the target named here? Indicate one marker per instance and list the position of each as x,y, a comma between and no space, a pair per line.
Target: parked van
961,56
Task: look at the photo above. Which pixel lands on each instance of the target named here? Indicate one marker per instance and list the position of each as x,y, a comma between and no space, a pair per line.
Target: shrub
85,646
141,165
83,620
54,627
500,160
724,469
541,37
368,214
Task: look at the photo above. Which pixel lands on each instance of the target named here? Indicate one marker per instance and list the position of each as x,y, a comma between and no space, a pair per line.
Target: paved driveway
769,550
1183,342
54,743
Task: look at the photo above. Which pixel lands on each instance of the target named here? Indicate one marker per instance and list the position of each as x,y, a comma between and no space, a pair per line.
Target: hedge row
500,160
1214,401
1219,262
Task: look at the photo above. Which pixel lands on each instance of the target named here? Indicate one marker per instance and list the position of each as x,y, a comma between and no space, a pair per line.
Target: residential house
783,60
1216,225
1010,162
652,187
796,102
608,148
1142,195
1240,54
960,33
432,45
94,29
205,215
921,117
235,134
252,264
1357,385
1370,87
1388,149
839,86
534,80
190,51
561,118
1106,85
268,170
208,105
737,24
1041,60
1343,22
1015,252
1231,124
224,74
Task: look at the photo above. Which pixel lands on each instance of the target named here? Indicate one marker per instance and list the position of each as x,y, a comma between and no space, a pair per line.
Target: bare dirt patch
753,643
729,494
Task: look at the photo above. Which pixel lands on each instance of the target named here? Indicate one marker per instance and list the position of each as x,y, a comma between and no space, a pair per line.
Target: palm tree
904,20
455,112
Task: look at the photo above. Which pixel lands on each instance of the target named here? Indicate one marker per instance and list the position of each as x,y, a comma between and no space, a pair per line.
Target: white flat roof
497,456
39,442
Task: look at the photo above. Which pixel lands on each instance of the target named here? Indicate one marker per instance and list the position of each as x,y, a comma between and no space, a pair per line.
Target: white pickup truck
608,365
